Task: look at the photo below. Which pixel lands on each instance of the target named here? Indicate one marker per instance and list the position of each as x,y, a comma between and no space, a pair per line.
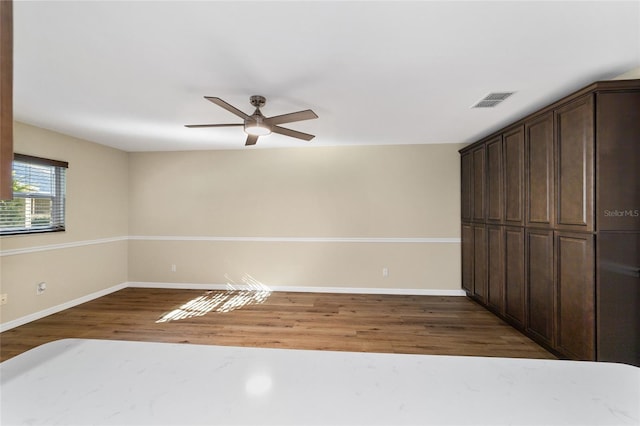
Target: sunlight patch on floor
252,292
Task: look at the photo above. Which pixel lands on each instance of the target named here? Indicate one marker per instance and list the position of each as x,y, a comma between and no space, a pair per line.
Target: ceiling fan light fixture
257,127
257,130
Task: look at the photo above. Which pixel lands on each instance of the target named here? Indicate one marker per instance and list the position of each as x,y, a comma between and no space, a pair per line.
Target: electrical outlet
385,272
4,298
173,268
40,288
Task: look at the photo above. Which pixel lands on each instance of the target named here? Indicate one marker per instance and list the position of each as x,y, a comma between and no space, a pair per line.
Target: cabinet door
576,295
514,275
574,160
539,171
618,152
480,262
513,147
467,258
478,184
540,285
495,206
466,178
495,267
618,297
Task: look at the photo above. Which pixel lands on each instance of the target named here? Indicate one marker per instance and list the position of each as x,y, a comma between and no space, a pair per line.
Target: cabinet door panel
574,159
575,297
467,258
478,184
513,147
495,263
480,262
540,285
515,275
466,176
618,151
495,190
539,171
618,296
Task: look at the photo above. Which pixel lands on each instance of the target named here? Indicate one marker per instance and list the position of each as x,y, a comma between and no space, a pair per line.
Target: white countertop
101,382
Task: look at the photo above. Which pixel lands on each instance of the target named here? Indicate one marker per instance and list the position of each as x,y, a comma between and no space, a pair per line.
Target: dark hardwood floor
340,322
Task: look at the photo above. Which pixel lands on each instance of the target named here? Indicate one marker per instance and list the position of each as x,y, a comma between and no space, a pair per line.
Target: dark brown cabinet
495,267
494,186
480,262
467,257
474,260
466,176
513,148
540,285
618,293
574,159
618,159
478,184
514,289
551,223
539,170
575,294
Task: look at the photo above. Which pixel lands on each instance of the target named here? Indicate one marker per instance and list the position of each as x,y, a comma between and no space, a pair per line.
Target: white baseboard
55,309
191,286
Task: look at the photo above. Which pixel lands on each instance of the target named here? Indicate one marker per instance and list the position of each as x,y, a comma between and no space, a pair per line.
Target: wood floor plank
319,321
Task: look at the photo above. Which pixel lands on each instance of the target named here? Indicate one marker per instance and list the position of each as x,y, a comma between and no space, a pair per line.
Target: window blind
38,203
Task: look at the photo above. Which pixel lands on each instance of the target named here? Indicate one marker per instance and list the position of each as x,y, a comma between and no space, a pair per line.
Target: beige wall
331,266
95,253
180,203
330,217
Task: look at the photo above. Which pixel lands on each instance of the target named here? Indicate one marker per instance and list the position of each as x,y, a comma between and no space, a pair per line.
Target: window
38,196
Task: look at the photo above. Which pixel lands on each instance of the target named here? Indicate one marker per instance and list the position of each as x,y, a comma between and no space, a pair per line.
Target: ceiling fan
256,124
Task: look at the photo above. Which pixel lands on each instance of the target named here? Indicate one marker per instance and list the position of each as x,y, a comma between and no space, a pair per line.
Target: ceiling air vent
492,99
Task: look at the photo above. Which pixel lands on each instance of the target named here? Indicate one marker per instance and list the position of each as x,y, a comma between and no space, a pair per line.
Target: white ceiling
131,74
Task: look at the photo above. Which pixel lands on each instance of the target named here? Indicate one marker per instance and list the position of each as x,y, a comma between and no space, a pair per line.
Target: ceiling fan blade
292,133
291,117
227,106
212,125
251,140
